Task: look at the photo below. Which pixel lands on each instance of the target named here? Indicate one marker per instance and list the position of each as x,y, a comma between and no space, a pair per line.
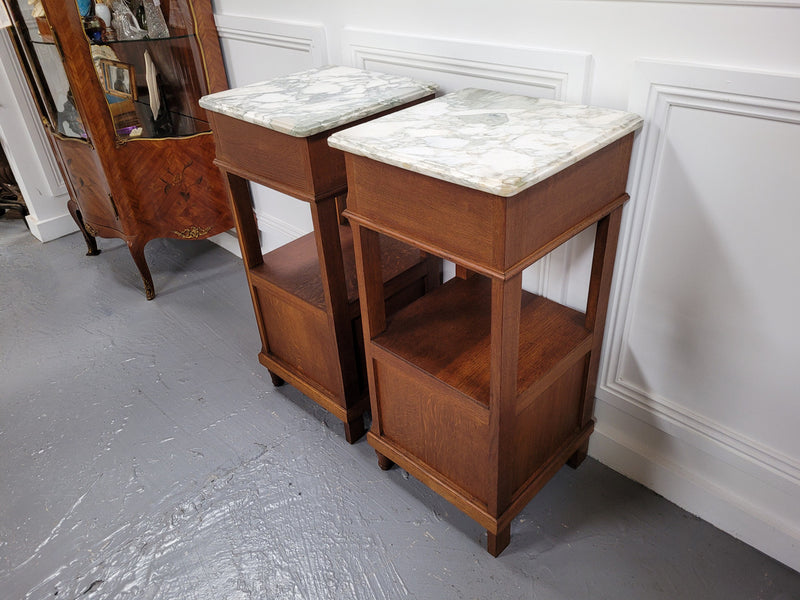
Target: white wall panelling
455,64
697,394
29,153
563,75
256,50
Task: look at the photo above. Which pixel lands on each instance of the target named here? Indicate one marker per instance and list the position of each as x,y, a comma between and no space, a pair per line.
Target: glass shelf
142,40
135,75
163,73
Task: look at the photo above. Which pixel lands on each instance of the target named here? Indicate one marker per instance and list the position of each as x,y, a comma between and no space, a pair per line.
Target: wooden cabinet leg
384,463
137,252
463,272
354,430
277,381
329,249
91,243
579,456
497,542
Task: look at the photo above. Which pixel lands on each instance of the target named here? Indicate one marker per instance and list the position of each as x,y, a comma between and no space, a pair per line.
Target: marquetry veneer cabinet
130,173
305,293
480,389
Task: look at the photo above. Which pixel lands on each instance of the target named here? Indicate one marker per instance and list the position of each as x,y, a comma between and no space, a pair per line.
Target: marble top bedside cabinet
305,293
479,388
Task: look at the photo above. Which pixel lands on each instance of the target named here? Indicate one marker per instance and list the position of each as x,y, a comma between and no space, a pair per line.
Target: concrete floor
144,454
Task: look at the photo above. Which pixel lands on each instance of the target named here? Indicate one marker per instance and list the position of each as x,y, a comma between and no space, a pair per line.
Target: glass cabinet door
149,65
41,60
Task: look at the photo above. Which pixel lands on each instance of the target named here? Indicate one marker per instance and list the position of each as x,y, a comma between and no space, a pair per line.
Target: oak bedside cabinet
479,388
305,293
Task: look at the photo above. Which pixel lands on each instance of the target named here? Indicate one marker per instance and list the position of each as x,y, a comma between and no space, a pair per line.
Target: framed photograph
118,79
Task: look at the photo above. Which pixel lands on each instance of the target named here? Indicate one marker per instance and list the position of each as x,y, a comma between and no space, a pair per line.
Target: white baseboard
722,488
274,233
228,241
46,230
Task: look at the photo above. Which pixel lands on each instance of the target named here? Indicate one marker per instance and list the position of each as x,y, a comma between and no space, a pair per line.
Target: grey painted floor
144,454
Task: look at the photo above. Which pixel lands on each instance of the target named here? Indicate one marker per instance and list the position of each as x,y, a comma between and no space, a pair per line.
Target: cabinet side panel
299,337
87,183
428,420
206,31
546,423
547,210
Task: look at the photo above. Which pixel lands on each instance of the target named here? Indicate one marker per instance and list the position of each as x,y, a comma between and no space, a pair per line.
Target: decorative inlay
193,233
90,230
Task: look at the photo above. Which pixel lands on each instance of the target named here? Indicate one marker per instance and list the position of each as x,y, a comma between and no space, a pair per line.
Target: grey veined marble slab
309,102
490,141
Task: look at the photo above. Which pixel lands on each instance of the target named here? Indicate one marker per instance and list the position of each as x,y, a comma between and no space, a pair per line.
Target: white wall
29,153
697,398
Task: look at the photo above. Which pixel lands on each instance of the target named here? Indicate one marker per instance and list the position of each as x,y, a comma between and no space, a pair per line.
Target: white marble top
490,141
309,102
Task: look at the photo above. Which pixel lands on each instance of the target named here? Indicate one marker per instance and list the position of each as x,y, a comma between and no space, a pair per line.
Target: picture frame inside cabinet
119,79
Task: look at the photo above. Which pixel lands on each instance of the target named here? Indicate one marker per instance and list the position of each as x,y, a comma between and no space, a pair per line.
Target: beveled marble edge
490,141
309,102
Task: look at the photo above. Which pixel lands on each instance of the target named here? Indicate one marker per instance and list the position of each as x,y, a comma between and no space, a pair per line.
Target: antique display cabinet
118,95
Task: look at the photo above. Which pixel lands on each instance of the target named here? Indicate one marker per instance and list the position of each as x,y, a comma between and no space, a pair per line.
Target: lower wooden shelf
446,334
300,346
432,391
293,269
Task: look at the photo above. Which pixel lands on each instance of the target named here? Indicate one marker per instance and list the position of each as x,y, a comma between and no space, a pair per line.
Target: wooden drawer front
453,221
265,156
298,335
427,419
480,228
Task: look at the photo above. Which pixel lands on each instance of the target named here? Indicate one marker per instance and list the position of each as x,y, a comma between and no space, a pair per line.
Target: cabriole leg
91,243
137,252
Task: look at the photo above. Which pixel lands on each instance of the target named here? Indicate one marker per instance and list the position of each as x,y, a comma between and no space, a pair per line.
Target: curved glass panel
44,68
149,64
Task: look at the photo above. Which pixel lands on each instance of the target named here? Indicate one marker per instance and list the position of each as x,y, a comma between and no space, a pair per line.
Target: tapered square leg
277,380
354,430
384,463
579,456
497,542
